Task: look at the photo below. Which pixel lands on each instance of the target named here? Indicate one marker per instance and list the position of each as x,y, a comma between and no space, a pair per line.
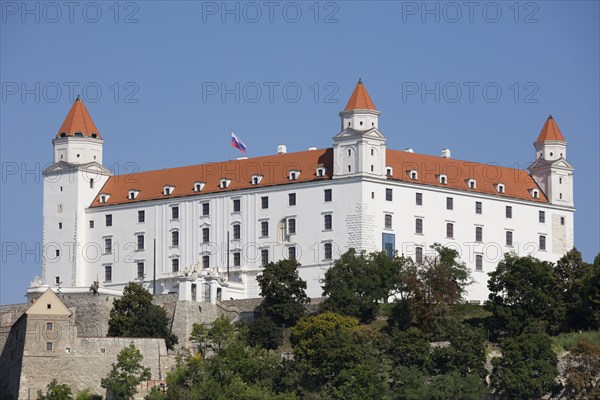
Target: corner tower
359,148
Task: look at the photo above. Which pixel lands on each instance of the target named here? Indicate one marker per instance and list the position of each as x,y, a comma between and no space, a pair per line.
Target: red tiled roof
360,99
550,131
275,169
78,120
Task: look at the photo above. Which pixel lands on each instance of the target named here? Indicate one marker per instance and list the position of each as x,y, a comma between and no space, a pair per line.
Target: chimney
409,150
281,149
445,153
311,148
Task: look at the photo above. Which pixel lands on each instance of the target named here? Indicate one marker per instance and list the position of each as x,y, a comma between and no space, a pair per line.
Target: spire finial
78,98
550,116
359,80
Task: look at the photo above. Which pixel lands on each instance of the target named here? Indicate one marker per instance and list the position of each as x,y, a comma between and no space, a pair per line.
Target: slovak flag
237,143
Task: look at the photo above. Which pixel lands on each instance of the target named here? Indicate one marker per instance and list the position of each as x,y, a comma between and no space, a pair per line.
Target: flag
237,143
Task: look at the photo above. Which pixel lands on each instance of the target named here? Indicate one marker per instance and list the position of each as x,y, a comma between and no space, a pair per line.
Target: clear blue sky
158,65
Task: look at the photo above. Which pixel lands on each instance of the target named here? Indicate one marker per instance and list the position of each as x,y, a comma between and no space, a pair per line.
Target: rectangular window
140,242
49,326
449,203
478,262
419,225
389,244
174,212
389,194
388,221
264,257
542,217
237,231
264,202
237,259
175,238
508,212
205,209
141,216
562,220
237,206
60,225
291,225
264,228
140,270
108,218
327,222
509,238
327,194
542,242
107,273
328,251
205,235
449,230
205,262
49,346
419,255
57,253
478,207
292,253
478,234
92,224
107,246
291,199
419,199
175,265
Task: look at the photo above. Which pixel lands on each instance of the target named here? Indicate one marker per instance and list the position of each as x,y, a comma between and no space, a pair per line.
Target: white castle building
205,231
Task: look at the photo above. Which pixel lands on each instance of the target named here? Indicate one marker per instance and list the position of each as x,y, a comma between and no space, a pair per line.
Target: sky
166,81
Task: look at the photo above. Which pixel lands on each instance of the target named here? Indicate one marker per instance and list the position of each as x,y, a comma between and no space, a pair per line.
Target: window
133,194
388,221
108,218
49,326
264,257
559,180
478,234
449,203
413,174
508,212
92,224
449,230
478,207
205,235
175,212
562,220
500,187
205,262
264,202
224,183
472,184
57,253
60,208
388,194
542,217
256,179
264,228
542,242
167,190
293,175
478,262
60,225
535,194
419,255
320,171
58,282
198,186
419,225
292,253
291,226
107,273
237,259
509,238
443,179
237,231
107,246
91,183
419,199
175,238
349,152
141,216
327,193
291,199
140,242
205,209
49,346
140,270
175,265
327,222
328,251
237,205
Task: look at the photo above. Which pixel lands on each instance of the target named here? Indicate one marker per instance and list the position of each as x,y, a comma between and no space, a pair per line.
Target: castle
205,231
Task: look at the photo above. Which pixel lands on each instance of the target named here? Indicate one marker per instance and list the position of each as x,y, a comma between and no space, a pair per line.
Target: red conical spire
78,121
550,131
360,99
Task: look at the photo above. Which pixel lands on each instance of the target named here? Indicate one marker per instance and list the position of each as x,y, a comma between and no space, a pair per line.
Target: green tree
283,291
582,371
126,374
134,315
265,333
214,338
527,368
86,394
55,391
591,302
571,275
523,292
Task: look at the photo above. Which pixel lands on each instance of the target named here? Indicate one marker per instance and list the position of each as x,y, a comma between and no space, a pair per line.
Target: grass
563,342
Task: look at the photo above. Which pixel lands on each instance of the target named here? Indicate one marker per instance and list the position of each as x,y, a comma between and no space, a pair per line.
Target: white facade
372,202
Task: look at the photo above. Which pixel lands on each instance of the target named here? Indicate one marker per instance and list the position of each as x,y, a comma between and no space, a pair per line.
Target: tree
283,291
215,338
409,349
591,301
265,333
523,291
527,368
126,374
583,371
55,391
571,275
134,315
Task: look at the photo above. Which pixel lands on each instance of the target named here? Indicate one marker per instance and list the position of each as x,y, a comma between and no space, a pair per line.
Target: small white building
205,231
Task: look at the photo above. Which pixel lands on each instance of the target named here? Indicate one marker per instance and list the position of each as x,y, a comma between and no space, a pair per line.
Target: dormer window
256,179
104,197
63,134
168,190
443,179
224,183
198,186
499,187
534,193
293,175
78,134
389,171
95,135
133,194
472,183
413,174
321,171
